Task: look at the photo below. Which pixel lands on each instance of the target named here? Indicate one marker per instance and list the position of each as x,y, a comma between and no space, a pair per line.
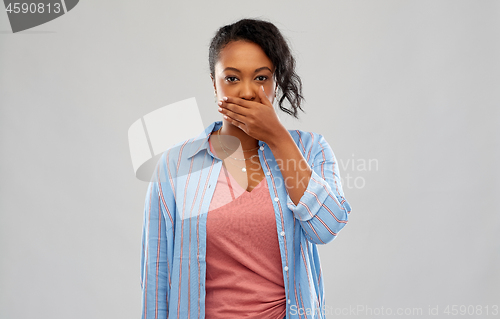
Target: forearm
292,164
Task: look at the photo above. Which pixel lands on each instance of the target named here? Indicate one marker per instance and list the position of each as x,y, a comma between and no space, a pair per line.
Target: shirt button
268,173
276,199
289,301
262,147
282,233
286,268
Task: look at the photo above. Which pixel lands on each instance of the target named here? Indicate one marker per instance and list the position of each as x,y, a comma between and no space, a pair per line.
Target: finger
236,100
233,115
235,122
235,108
263,97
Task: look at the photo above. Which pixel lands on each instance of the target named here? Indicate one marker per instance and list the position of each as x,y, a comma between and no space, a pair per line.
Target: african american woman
233,217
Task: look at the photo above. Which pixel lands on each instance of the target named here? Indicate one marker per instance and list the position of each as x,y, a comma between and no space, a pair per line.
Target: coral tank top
244,276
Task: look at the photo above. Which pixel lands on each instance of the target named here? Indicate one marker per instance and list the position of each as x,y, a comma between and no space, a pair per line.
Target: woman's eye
262,76
228,78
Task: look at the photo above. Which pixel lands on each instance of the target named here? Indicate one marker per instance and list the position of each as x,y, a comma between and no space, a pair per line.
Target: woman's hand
258,120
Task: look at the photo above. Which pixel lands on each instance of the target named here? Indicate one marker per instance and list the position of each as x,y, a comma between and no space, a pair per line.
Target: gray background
411,85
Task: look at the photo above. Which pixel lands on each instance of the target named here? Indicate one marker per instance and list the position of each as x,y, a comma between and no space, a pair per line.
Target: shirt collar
201,141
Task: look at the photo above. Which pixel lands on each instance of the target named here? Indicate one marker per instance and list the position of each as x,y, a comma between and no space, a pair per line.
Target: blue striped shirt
173,263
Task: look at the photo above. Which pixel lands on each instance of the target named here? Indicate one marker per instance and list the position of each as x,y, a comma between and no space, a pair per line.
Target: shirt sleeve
322,211
157,244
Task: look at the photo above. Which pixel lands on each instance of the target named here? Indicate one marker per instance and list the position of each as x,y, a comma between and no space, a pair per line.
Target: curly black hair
269,38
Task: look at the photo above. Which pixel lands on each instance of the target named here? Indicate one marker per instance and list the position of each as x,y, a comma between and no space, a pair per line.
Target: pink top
244,276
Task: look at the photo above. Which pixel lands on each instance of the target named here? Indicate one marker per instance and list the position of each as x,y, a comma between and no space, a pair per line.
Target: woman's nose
247,93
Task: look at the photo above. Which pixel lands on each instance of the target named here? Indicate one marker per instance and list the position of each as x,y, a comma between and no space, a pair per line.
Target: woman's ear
213,82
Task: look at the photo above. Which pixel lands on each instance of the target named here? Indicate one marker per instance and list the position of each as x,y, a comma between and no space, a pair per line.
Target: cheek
224,88
220,87
270,90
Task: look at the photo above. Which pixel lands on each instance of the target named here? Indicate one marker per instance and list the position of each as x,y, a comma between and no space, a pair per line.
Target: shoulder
183,150
174,155
174,159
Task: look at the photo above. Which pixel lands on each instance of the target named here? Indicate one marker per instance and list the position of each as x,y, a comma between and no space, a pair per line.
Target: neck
247,142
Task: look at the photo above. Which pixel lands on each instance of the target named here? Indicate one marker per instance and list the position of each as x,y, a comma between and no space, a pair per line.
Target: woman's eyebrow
256,70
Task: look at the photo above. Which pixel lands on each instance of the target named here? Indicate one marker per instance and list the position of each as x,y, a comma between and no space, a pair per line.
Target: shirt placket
264,150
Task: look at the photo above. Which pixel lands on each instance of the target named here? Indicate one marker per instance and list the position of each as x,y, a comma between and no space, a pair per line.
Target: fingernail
225,98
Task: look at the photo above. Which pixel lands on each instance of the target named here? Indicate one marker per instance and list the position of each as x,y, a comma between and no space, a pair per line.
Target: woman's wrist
279,137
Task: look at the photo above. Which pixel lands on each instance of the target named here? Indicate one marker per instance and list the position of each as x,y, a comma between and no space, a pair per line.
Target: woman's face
240,71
